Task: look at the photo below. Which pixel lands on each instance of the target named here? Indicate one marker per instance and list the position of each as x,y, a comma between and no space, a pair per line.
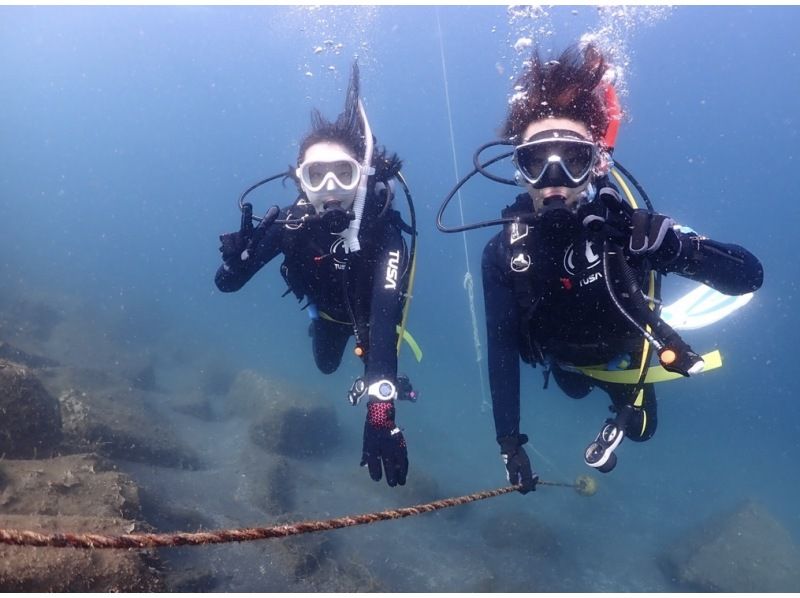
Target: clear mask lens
573,156
315,175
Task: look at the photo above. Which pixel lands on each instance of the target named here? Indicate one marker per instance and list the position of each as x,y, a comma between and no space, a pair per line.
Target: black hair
348,131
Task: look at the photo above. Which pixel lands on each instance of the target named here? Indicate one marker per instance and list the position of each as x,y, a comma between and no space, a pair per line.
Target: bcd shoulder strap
527,299
291,239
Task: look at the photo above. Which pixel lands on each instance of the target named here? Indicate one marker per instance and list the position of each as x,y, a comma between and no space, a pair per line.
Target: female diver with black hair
345,253
563,281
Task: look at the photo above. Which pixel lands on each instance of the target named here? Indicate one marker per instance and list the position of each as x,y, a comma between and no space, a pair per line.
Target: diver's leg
328,340
574,385
636,419
642,417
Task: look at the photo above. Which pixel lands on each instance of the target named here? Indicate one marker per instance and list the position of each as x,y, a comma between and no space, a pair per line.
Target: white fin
701,307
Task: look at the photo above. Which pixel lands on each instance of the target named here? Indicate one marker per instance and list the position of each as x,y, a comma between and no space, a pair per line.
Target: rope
468,279
74,540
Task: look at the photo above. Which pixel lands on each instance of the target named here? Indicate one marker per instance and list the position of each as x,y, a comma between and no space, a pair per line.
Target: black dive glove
518,466
237,247
648,234
405,392
232,247
653,235
677,356
384,444
384,447
234,244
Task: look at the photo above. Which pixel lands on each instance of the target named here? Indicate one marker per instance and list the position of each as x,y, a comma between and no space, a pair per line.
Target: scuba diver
344,253
572,281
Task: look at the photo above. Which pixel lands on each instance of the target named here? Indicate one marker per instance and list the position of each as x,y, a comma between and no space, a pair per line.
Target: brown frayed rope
30,538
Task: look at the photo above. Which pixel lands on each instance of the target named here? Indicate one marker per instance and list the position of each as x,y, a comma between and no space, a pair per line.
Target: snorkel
613,109
350,235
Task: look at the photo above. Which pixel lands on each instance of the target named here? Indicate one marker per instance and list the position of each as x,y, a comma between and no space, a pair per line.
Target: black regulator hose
479,168
476,161
632,288
412,212
673,352
243,206
255,186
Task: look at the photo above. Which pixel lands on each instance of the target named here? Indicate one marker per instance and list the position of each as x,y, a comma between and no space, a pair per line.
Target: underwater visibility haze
128,133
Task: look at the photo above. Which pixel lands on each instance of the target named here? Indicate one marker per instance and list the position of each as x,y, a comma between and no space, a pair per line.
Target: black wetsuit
365,287
546,301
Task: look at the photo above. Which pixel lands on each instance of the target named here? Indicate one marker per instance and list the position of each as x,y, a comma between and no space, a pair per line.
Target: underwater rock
277,493
747,550
145,378
198,405
318,564
168,515
71,485
521,532
30,425
191,580
297,431
55,495
104,414
216,378
421,487
26,319
252,395
29,569
19,356
58,378
120,424
286,422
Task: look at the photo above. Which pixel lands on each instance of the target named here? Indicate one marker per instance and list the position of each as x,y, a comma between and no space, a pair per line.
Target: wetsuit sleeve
232,276
502,334
728,268
386,306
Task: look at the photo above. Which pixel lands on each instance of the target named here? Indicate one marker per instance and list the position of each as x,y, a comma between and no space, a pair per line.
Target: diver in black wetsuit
344,252
564,281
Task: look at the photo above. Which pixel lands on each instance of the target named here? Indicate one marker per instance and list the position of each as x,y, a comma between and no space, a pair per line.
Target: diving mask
343,174
329,176
555,158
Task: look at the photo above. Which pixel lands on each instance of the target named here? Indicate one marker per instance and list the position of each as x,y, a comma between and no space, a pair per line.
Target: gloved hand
405,392
384,444
653,235
518,466
234,244
679,357
617,229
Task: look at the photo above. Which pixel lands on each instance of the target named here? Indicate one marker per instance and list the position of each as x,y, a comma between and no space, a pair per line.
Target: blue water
128,133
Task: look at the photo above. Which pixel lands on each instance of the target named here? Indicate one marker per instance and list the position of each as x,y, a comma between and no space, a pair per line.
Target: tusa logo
391,270
591,278
338,253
